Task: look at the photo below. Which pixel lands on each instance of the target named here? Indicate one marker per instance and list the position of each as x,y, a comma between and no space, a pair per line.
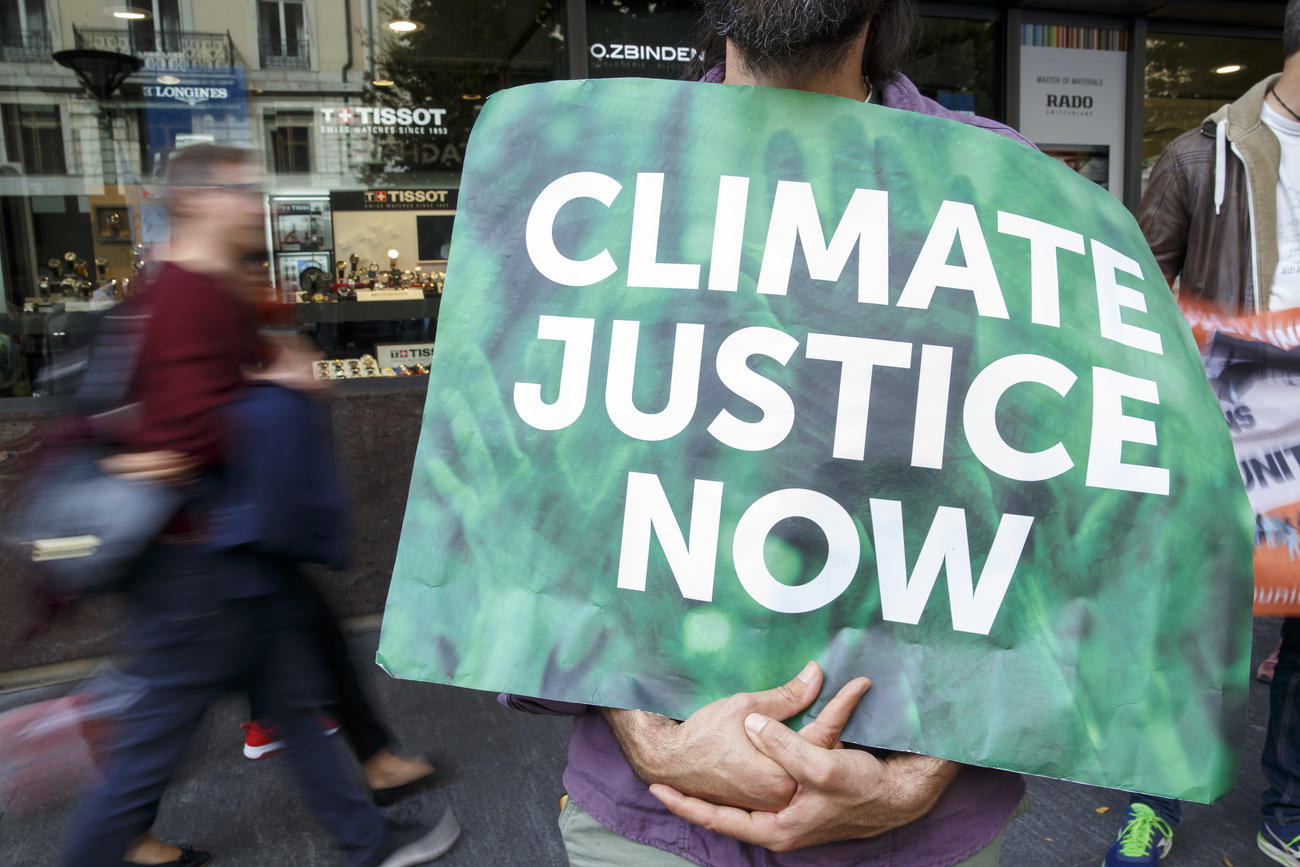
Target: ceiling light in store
471,97
1229,69
382,82
129,14
404,25
392,253
168,79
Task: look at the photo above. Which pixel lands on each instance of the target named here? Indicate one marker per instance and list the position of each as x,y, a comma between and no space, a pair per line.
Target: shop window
644,38
160,30
955,62
24,36
33,138
289,141
282,34
1189,77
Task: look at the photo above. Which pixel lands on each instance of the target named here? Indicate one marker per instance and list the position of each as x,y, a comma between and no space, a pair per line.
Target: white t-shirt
1285,292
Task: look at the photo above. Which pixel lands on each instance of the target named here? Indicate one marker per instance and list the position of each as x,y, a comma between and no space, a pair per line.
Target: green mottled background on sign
1119,657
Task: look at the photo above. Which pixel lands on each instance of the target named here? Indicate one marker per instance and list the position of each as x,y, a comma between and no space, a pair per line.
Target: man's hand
841,794
163,466
709,755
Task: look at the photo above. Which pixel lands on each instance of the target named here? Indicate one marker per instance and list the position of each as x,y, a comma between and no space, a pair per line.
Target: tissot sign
394,200
384,120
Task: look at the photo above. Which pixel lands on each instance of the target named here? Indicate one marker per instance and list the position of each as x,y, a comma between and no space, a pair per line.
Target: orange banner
1259,392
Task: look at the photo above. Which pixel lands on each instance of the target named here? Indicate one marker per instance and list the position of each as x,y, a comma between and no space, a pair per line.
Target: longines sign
187,95
382,120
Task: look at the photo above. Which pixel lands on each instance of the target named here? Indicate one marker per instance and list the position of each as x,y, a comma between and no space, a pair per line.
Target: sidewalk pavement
501,772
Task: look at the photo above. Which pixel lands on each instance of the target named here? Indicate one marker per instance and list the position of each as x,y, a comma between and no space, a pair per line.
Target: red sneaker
262,740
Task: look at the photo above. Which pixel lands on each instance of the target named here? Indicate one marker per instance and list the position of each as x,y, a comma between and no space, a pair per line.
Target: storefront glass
1189,76
360,112
957,63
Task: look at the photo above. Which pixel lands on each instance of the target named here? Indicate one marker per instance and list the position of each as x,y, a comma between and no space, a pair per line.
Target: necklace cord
1273,90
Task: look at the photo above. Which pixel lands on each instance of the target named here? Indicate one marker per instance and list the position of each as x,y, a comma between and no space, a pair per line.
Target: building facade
361,110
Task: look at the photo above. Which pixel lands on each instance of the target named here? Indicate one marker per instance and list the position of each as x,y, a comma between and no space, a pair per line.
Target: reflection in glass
955,62
1182,87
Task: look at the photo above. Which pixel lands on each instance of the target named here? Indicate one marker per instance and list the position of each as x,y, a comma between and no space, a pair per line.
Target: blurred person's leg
294,686
189,648
353,708
389,775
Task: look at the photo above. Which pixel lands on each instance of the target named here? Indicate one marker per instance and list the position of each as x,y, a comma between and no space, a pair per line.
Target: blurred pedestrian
207,618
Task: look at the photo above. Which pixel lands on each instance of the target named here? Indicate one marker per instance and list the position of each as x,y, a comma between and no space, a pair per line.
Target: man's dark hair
200,165
1291,29
889,36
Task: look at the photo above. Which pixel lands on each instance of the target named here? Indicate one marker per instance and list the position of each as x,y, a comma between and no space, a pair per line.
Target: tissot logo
624,51
189,95
364,115
406,197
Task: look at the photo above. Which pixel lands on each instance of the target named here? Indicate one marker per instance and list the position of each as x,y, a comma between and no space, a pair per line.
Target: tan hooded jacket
1210,207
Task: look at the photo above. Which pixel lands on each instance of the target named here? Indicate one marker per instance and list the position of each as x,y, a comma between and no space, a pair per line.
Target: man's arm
1163,214
840,794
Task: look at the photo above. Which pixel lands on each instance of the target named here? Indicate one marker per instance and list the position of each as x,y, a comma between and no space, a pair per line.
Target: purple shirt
973,810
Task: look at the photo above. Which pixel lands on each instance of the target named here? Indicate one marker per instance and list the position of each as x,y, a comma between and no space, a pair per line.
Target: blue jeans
192,645
1281,760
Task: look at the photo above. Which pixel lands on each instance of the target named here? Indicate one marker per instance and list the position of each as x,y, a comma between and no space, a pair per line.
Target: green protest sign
729,379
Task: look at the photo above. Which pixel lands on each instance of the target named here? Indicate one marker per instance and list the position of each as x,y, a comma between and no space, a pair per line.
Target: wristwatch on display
355,262
101,268
314,281
56,266
342,268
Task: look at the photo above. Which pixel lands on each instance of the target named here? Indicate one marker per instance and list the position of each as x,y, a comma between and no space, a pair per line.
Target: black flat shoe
189,858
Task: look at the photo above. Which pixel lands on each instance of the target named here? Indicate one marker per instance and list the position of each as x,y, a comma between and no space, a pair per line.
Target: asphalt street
500,770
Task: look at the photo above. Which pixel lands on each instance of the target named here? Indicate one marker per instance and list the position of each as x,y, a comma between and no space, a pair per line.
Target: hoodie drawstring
1220,163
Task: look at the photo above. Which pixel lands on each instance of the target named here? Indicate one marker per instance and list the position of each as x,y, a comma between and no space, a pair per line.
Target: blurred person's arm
289,358
165,466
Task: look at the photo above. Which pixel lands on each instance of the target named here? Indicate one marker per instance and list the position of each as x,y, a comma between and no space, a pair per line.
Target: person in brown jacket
1222,214
1212,205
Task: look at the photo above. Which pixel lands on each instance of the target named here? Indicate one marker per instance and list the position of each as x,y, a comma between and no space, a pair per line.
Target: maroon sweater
200,337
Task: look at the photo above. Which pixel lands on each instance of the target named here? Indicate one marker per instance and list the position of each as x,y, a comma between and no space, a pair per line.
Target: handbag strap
111,363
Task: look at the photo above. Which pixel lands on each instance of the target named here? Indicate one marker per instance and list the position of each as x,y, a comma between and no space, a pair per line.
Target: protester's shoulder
1193,146
901,93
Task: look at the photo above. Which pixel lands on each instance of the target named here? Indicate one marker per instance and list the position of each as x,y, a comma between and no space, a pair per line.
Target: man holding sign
741,780
739,374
